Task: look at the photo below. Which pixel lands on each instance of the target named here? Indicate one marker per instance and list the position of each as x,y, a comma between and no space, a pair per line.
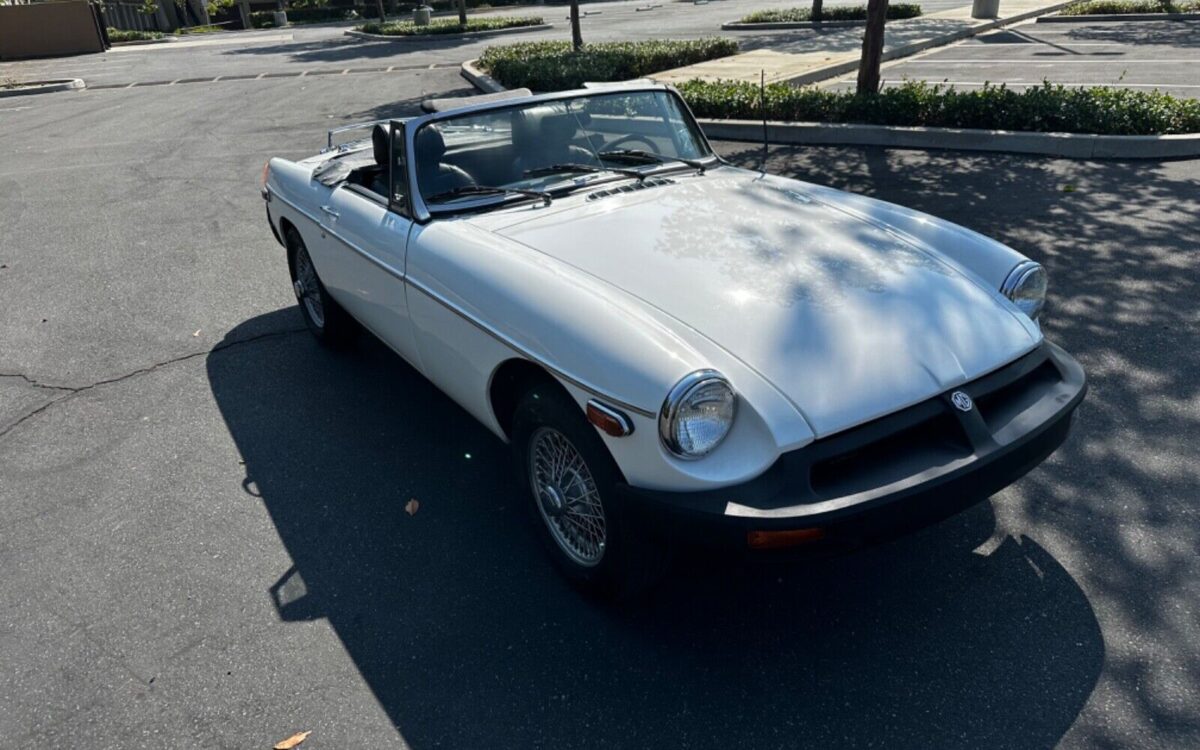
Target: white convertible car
675,347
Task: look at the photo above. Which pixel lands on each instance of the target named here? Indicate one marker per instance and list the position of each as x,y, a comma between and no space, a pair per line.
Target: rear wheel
571,481
325,318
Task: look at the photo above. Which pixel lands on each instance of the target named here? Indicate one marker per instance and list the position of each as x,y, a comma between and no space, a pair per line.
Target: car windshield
540,149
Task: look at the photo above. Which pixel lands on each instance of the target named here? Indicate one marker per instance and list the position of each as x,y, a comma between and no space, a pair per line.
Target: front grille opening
999,407
924,446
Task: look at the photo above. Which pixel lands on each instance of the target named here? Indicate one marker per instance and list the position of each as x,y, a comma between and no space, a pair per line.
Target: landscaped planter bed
451,26
836,13
553,66
1046,109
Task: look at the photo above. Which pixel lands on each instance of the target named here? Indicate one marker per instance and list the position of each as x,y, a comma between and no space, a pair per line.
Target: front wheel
325,318
571,481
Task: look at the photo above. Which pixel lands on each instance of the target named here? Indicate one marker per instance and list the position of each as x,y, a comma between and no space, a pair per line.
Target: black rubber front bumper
893,475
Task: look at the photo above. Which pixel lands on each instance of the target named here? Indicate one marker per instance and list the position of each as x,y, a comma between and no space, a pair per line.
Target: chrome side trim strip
519,349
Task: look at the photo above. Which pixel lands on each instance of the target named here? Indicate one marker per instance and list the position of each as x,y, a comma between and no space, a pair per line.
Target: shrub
450,26
1122,7
121,35
1045,108
835,13
553,66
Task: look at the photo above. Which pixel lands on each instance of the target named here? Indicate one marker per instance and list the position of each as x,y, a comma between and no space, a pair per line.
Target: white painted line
390,69
344,72
132,85
216,79
1120,85
177,80
260,76
1119,62
14,109
302,74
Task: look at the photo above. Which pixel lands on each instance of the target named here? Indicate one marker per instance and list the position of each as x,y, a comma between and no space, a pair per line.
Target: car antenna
762,105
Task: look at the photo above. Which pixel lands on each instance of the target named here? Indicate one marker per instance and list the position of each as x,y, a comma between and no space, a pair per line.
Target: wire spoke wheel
308,290
566,497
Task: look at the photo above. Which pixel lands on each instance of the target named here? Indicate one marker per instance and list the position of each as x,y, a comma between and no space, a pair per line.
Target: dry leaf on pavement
292,741
411,507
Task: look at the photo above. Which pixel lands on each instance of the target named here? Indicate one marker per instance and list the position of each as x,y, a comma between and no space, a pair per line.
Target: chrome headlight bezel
1026,276
688,387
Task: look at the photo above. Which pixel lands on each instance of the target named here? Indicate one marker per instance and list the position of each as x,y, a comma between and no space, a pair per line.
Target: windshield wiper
574,167
646,157
457,192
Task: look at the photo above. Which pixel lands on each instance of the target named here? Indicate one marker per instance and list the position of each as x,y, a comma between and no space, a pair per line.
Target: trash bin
280,19
421,15
985,8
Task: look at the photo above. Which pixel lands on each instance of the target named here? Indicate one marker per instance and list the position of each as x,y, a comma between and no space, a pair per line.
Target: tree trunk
379,10
462,13
816,11
576,34
872,50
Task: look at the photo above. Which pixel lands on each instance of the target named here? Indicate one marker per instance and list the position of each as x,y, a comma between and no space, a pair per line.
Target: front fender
477,298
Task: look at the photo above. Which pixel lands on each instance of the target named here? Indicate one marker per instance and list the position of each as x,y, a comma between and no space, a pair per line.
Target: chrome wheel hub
567,498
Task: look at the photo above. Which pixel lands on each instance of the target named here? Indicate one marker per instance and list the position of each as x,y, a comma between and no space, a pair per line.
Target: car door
371,233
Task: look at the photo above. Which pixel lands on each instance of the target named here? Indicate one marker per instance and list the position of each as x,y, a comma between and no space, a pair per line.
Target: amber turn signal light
781,539
609,420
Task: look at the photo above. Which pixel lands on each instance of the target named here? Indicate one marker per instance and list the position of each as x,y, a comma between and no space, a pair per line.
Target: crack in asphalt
67,392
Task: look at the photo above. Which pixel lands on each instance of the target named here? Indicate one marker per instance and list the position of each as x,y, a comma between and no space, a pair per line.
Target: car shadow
468,638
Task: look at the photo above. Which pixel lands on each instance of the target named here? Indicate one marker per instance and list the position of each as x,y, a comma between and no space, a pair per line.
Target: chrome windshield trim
525,352
423,213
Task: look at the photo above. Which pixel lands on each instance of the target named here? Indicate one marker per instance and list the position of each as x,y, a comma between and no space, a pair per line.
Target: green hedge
553,66
1122,7
836,13
120,35
1045,108
450,26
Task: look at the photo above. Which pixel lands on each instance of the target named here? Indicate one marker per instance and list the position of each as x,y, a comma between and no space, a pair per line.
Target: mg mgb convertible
677,350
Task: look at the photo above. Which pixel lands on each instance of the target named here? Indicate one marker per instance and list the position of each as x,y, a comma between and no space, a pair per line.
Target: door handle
330,211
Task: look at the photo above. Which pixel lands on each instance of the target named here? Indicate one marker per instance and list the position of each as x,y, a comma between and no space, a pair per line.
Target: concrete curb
479,79
739,26
1064,145
850,65
435,37
28,88
140,42
1122,17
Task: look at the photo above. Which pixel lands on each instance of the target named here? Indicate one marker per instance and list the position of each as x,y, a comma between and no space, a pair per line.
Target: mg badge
961,401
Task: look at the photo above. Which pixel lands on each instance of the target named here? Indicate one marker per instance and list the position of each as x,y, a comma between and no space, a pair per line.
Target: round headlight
1026,287
697,414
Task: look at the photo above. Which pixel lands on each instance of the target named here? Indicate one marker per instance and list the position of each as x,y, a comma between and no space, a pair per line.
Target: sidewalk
841,50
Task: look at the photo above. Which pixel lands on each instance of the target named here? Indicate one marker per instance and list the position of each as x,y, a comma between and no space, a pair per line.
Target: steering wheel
621,142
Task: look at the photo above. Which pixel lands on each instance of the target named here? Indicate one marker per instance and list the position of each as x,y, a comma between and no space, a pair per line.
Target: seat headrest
380,135
430,145
558,127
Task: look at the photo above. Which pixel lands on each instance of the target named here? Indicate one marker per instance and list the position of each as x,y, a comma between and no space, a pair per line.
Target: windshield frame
422,213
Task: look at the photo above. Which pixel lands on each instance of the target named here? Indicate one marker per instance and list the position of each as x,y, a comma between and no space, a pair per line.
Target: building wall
48,30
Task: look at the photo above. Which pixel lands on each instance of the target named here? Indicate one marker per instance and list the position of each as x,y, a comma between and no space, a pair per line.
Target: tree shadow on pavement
1119,498
468,638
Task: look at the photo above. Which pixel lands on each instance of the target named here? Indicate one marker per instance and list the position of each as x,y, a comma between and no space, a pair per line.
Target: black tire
325,318
631,561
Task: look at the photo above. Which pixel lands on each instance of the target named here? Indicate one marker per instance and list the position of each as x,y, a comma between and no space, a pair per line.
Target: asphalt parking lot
202,533
1143,55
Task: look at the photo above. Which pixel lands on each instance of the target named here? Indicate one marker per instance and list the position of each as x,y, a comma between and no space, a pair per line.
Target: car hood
849,319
